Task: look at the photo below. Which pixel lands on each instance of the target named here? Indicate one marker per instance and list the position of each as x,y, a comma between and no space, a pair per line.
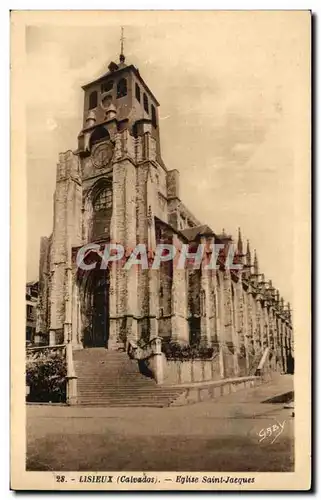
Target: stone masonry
116,188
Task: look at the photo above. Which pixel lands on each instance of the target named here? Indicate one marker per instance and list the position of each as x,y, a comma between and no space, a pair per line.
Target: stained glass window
104,199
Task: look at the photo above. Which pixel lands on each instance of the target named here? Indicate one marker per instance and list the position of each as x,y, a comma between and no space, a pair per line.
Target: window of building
146,103
159,234
122,88
99,134
29,311
137,92
93,99
29,334
154,121
194,324
102,204
107,86
104,199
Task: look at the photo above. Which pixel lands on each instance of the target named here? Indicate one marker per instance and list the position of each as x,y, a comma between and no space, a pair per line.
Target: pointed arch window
122,88
107,86
102,205
154,120
98,135
104,199
93,99
145,99
137,92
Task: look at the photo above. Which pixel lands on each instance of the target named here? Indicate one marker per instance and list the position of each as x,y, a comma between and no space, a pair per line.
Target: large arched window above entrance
98,135
104,199
102,212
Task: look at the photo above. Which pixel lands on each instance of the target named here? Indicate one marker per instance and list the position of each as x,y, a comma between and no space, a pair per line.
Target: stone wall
43,308
189,371
210,307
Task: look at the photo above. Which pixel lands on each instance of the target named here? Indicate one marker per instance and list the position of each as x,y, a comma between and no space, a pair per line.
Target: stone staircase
111,378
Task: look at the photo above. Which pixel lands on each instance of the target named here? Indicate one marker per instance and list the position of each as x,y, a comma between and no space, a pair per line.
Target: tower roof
117,69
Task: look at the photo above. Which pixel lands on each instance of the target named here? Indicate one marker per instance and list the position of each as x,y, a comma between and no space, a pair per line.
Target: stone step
150,401
129,393
80,355
102,373
138,397
116,376
94,368
109,378
115,388
127,405
128,398
113,376
129,387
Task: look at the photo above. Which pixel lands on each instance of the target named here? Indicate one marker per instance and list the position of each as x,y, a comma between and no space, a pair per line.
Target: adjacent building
31,310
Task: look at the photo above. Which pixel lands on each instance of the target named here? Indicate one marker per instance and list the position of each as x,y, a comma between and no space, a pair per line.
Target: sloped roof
121,68
32,283
193,232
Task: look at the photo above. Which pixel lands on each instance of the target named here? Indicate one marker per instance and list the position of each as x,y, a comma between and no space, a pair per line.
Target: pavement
237,432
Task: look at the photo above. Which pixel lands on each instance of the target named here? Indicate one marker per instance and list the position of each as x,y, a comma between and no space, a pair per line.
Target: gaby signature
274,431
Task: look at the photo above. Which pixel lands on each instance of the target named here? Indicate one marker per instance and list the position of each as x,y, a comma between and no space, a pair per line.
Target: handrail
150,348
38,348
150,353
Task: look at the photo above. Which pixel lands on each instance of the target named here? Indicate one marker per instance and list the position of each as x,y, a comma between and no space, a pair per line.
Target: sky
233,111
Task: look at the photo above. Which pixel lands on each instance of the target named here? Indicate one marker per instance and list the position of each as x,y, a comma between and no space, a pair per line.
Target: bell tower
114,188
121,174
118,100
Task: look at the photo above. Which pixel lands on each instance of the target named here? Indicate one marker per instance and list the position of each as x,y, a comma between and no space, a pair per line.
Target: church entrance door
100,309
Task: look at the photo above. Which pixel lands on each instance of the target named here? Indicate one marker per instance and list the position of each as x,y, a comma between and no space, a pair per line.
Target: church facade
115,188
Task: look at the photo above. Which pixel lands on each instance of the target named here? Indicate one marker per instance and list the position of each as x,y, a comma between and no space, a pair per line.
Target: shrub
174,350
46,377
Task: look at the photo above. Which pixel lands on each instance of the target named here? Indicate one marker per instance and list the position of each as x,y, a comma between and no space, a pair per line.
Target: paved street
229,434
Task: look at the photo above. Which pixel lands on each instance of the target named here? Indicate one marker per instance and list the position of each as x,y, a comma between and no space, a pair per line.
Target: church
116,188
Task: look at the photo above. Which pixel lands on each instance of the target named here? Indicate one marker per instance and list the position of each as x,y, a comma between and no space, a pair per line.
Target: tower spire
122,38
239,243
256,263
248,254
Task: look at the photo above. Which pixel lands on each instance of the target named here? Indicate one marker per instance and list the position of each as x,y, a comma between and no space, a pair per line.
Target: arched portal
100,309
95,284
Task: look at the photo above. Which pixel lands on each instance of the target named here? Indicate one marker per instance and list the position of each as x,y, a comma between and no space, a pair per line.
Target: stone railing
33,354
150,354
178,371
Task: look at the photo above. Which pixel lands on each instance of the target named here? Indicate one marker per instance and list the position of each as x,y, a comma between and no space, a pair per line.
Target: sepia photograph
162,336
